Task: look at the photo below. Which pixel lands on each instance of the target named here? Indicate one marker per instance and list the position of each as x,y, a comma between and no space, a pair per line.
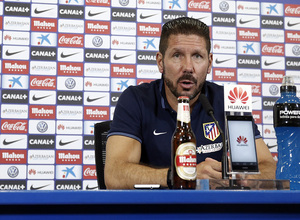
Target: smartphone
241,142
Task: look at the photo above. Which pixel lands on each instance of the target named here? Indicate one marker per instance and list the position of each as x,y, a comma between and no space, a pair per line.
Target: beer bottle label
183,113
186,161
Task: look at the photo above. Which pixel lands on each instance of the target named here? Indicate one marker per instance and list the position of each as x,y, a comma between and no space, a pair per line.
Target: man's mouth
186,84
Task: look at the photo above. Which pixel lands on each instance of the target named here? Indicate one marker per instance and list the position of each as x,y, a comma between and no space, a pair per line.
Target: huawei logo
238,94
242,139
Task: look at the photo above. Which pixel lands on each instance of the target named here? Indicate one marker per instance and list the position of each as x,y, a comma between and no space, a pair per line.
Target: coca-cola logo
42,83
200,5
14,126
98,2
292,10
272,49
70,40
90,172
256,89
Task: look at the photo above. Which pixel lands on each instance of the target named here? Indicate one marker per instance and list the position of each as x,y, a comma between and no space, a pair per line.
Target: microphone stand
224,155
210,111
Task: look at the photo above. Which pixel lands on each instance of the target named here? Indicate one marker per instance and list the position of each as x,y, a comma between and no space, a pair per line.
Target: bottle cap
288,84
288,81
183,97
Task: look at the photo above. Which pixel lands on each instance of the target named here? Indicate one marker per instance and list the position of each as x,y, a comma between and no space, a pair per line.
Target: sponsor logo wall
64,64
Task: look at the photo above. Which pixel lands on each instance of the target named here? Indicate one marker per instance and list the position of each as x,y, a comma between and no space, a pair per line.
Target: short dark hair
186,26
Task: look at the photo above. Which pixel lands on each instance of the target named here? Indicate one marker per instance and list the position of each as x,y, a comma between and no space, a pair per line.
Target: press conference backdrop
64,64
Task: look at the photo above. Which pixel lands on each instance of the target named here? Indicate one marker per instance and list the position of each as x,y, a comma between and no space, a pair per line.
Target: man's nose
188,65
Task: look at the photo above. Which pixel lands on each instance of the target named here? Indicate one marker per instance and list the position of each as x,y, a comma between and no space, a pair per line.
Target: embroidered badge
211,131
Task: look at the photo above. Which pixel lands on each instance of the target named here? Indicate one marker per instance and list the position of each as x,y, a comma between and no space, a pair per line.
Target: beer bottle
184,159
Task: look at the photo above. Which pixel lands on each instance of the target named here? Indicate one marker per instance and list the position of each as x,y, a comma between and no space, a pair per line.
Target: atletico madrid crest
211,131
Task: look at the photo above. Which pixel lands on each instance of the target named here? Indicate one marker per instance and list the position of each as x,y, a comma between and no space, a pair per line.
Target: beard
174,90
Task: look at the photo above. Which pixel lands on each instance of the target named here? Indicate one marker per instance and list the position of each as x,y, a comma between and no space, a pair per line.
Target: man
139,142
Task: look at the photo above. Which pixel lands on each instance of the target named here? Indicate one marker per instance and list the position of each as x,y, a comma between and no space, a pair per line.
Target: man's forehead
182,41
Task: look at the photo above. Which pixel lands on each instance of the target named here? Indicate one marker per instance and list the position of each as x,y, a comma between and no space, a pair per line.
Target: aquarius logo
238,94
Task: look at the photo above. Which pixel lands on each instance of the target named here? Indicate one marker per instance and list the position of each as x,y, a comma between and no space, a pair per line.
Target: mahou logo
144,29
224,74
199,5
248,34
15,66
70,40
123,70
42,82
96,27
241,140
238,94
13,156
70,69
96,113
271,49
69,157
42,112
43,24
89,172
292,10
14,126
292,36
272,76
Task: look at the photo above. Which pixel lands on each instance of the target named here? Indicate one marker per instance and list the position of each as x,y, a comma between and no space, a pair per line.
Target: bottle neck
288,89
183,114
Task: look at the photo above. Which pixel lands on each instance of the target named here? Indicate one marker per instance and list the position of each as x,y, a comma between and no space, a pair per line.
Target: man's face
185,65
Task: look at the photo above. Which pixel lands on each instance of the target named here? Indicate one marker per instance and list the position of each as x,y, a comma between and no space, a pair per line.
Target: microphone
210,111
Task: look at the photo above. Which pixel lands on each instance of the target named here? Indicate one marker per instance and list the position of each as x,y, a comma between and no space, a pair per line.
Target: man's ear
210,61
159,62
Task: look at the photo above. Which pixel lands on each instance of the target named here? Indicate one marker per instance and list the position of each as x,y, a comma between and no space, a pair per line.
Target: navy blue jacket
143,113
